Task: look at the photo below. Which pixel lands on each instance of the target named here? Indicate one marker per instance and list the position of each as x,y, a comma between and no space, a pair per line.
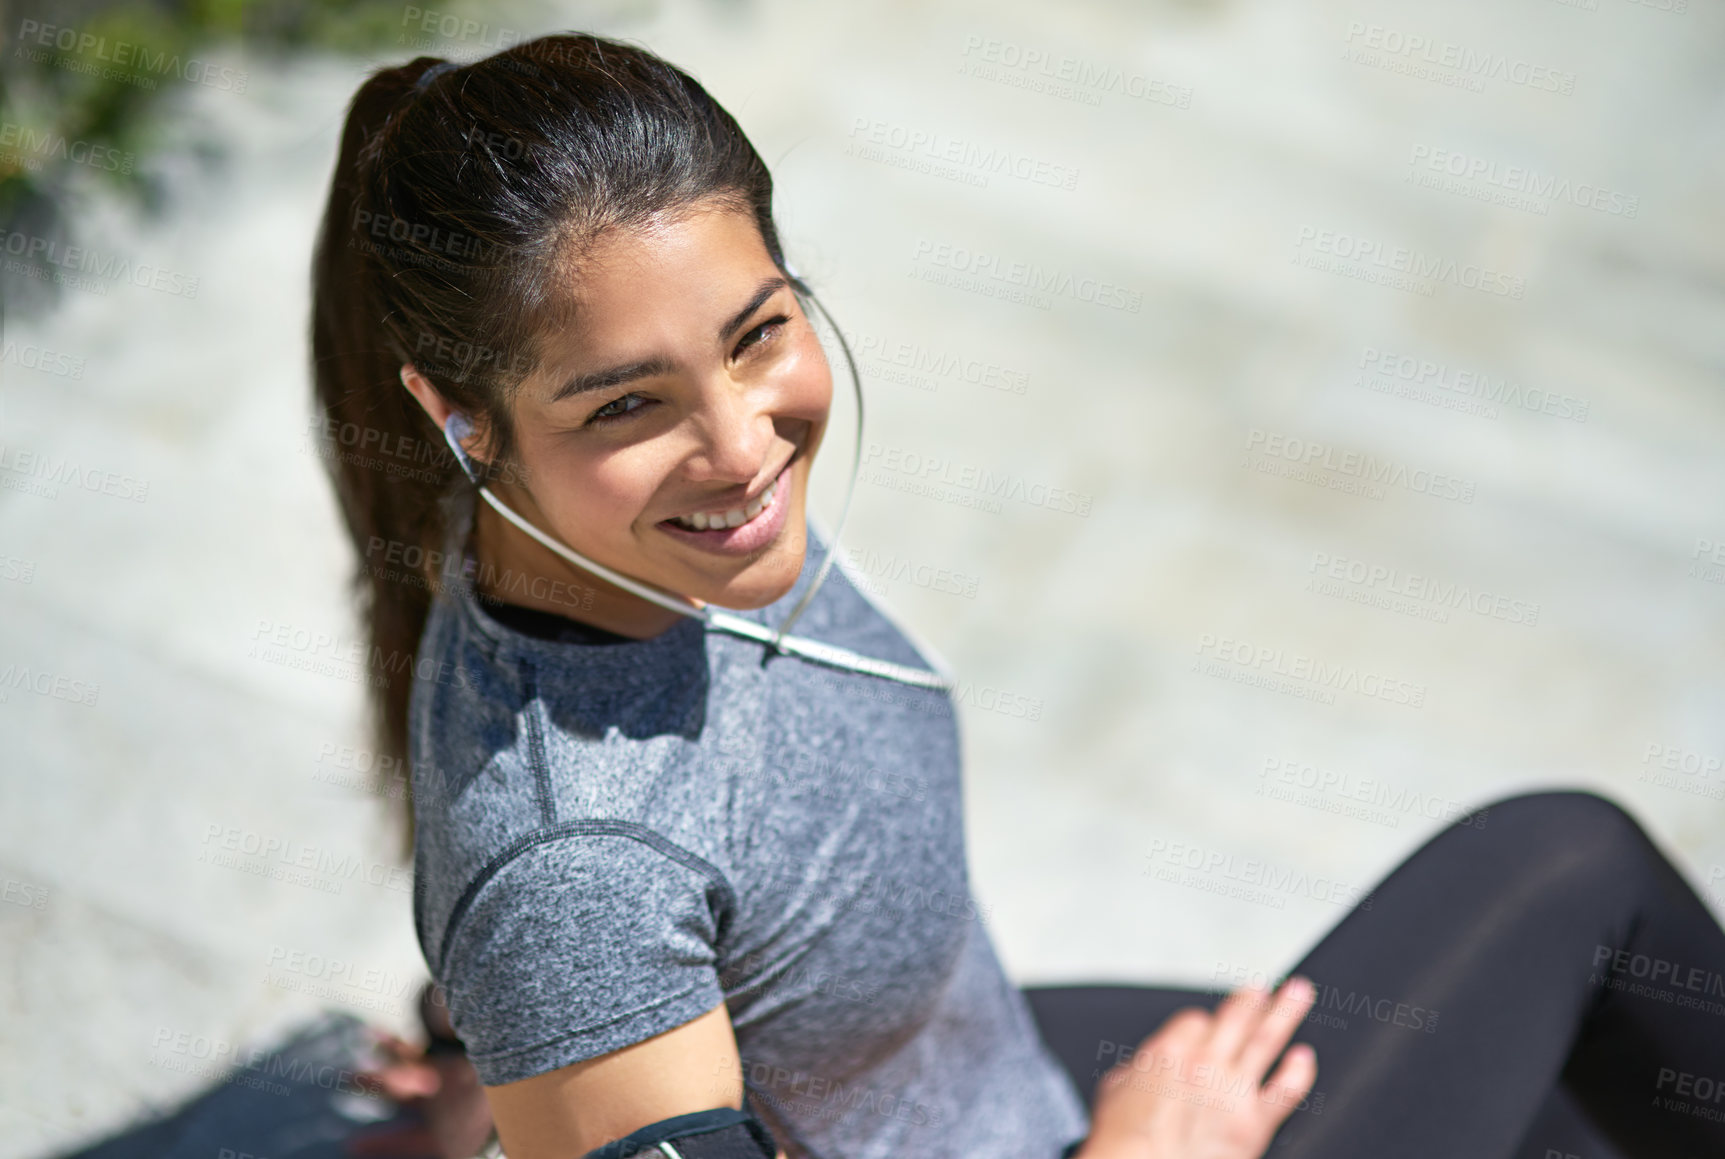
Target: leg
1501,960
1509,932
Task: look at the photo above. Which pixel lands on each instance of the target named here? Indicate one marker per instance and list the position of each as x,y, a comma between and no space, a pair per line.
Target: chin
766,580
762,581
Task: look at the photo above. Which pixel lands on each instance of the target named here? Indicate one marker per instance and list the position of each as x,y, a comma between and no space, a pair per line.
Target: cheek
591,501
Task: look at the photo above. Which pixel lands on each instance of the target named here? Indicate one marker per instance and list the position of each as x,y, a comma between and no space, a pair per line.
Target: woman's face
690,388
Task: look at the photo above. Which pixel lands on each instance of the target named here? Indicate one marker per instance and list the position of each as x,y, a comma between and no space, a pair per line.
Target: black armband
723,1133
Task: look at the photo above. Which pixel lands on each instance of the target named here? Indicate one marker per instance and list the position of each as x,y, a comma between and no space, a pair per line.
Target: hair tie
432,73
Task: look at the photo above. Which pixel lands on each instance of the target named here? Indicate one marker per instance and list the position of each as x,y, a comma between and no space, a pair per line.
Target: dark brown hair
461,203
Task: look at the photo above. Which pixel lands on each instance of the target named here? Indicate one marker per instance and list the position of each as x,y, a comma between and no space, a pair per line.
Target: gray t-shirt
615,837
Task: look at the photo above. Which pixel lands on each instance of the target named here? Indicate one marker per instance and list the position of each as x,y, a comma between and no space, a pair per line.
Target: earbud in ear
455,428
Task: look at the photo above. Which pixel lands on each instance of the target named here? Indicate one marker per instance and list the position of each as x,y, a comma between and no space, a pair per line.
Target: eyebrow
649,367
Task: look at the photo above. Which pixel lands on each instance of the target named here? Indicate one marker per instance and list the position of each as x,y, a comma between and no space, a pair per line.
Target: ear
439,408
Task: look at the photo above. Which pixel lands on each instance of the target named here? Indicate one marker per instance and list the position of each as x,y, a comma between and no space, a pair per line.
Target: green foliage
88,105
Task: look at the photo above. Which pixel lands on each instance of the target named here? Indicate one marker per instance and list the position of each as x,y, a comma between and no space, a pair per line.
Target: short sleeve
578,946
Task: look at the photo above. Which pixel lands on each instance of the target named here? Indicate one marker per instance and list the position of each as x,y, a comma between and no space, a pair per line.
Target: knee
1573,824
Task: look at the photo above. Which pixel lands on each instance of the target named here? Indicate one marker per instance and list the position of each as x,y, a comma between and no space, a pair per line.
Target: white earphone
458,427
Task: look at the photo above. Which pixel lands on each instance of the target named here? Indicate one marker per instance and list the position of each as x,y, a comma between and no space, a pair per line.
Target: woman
662,869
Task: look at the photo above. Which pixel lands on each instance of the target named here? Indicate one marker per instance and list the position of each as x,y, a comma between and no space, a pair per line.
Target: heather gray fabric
614,838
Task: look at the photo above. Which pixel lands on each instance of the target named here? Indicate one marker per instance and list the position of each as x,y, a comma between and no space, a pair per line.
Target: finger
1272,1033
403,1081
392,1051
395,1048
411,1080
1236,1020
1292,1082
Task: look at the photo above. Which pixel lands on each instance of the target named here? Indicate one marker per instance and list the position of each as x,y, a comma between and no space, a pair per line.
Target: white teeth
735,517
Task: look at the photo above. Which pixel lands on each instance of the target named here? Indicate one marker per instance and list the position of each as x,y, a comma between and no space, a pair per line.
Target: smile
735,517
737,530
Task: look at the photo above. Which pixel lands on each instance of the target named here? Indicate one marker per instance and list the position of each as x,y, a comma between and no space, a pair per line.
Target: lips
737,514
731,517
754,532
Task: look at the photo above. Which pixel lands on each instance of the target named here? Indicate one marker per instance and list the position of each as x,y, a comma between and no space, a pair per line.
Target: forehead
672,271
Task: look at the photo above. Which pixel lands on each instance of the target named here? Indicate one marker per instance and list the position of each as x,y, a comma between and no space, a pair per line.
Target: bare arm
1161,1104
569,1111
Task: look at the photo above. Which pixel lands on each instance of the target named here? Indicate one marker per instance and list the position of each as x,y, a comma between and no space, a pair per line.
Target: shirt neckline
618,658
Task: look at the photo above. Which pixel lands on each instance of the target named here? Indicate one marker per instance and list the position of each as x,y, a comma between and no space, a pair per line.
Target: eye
606,413
760,333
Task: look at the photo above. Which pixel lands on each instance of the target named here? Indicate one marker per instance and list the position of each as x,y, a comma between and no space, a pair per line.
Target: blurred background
1299,426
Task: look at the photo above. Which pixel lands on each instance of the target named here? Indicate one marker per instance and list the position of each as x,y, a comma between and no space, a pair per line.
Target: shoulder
578,940
466,714
472,743
505,730
597,869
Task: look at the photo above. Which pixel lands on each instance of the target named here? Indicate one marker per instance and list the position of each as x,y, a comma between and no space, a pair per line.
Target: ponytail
364,410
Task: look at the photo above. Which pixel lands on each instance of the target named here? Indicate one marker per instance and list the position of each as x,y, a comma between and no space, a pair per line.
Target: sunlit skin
708,427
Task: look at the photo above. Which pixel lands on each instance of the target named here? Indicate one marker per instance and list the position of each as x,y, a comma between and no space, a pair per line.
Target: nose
735,431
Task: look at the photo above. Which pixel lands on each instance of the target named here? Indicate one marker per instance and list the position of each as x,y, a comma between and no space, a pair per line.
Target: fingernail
1299,988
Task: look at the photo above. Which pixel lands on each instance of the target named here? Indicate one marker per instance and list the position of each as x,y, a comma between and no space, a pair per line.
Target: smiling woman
647,872
531,261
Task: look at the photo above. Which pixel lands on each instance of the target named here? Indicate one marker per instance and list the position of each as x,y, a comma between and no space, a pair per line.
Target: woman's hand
1195,1089
444,1088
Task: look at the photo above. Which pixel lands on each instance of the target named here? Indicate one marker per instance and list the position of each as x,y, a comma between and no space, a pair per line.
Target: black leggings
1577,984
